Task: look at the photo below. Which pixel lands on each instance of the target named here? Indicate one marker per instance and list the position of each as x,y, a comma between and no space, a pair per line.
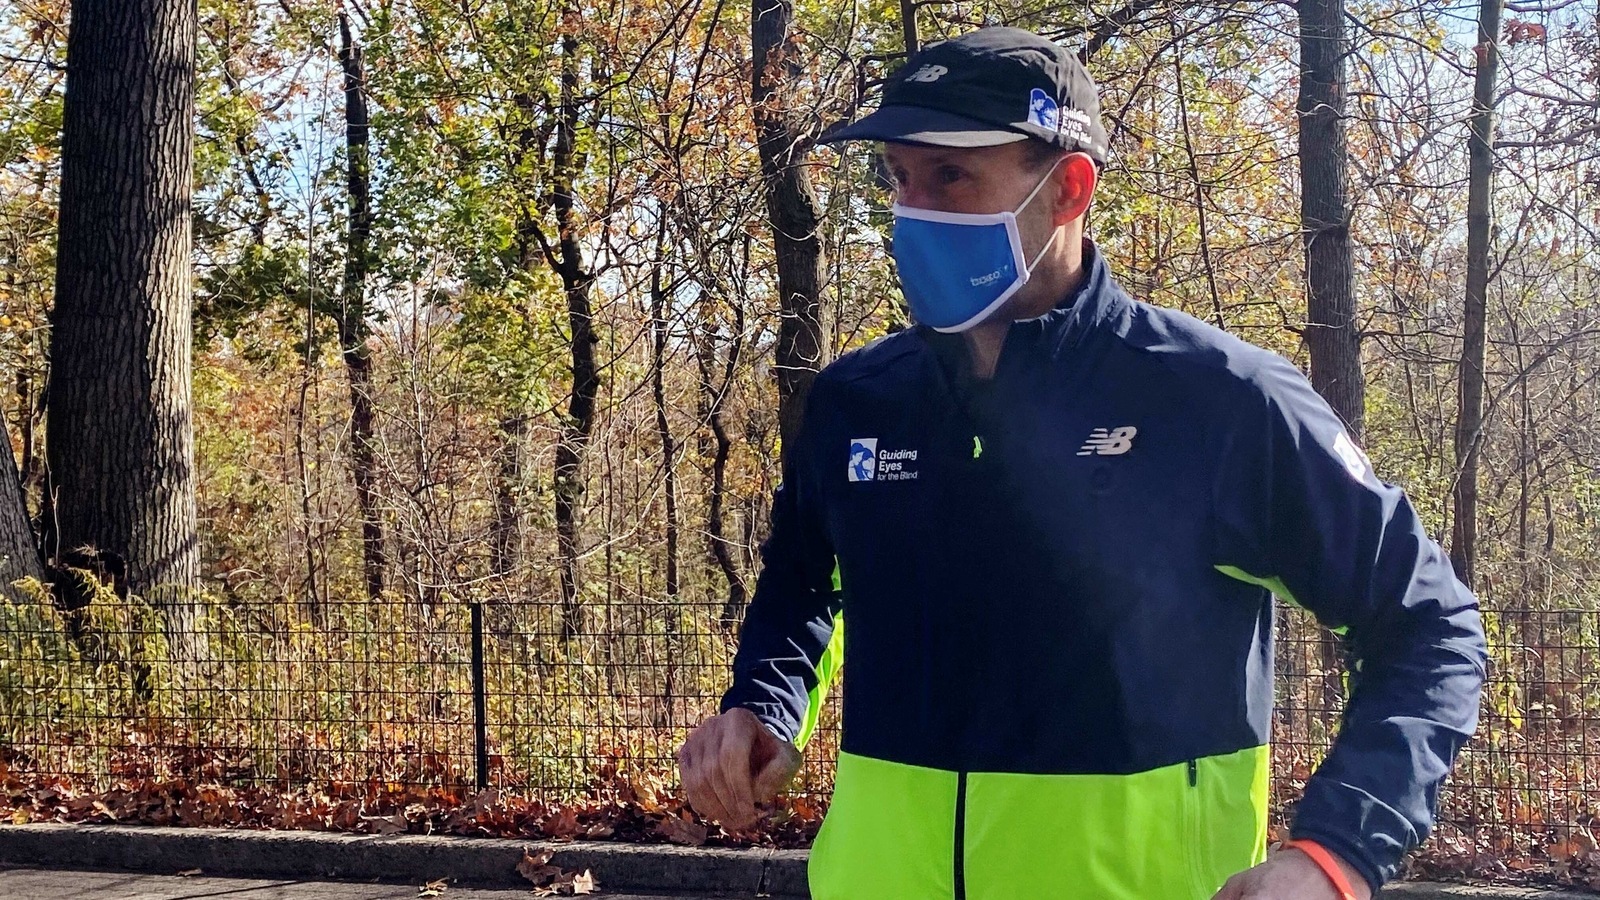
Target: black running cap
988,87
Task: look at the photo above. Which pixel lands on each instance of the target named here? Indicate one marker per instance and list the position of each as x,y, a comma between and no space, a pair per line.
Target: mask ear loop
1040,186
1054,232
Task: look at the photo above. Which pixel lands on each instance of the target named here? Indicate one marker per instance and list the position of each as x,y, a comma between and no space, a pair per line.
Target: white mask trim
1013,234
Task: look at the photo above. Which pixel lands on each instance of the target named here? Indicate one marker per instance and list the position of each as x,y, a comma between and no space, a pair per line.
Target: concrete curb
1420,891
780,874
405,858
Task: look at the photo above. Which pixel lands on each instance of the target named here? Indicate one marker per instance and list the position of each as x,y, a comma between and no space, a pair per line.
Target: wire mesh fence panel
290,697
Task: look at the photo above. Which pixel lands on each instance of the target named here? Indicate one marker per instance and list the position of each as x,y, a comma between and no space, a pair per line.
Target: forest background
396,388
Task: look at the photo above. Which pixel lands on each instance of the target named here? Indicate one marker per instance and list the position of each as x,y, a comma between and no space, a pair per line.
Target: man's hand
1290,875
731,763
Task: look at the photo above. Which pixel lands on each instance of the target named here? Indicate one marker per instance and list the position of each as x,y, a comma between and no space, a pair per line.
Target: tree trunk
658,391
713,401
351,316
29,412
659,289
908,26
506,546
120,437
576,280
1331,331
792,211
19,551
1480,190
505,550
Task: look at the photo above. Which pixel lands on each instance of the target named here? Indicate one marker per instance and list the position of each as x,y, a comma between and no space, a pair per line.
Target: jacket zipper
961,837
1193,838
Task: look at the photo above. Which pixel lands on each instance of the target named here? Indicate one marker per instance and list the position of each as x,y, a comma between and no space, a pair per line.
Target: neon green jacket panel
913,833
890,833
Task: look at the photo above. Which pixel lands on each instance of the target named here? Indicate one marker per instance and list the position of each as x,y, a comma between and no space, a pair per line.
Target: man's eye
950,174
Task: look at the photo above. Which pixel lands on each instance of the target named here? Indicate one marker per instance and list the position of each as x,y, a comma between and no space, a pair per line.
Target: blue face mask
957,269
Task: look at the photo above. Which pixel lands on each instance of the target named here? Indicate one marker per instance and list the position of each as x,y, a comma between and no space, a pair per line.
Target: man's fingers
1233,890
775,775
726,808
696,775
734,762
694,788
716,763
693,781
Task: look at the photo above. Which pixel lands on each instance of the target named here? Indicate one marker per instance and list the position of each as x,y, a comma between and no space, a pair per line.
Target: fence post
480,713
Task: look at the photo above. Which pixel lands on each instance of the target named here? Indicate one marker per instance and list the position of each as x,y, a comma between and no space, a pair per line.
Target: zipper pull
1194,773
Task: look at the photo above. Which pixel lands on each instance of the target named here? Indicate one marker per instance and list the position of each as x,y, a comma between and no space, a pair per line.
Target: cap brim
916,125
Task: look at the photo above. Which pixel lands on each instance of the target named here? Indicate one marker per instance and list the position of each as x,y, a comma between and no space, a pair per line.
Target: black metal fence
474,694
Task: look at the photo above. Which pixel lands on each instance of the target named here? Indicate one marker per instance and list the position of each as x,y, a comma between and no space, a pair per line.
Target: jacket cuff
1364,830
775,716
1348,851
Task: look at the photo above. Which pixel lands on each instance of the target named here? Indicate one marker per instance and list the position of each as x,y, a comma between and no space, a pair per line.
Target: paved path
56,884
48,884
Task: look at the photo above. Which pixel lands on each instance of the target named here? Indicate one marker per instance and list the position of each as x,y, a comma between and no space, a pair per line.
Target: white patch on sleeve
1354,459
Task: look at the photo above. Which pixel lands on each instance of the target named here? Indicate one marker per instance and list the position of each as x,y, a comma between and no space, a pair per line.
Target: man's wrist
1351,851
1347,881
1358,882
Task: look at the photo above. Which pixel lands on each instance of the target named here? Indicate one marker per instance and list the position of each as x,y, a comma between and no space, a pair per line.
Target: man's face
980,180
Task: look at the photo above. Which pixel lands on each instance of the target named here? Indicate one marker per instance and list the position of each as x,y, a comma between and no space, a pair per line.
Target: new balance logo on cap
928,73
1109,441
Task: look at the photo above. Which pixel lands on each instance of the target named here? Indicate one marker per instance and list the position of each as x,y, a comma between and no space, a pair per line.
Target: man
1058,566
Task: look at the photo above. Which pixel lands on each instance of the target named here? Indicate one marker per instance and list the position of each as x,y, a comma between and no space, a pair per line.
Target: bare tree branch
27,61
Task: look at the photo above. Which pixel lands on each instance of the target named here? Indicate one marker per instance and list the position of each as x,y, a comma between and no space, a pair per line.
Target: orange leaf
681,831
532,865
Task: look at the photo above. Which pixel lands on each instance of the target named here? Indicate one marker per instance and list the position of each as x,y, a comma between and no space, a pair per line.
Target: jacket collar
1063,327
1082,308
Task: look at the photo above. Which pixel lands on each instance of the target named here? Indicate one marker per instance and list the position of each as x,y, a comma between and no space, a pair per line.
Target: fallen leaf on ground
682,831
395,824
551,881
564,825
533,864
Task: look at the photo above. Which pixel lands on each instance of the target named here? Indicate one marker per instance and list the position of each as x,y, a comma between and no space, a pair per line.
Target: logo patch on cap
1042,110
928,74
1075,125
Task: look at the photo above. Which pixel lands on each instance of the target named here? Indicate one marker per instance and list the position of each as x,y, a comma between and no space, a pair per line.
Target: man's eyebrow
939,157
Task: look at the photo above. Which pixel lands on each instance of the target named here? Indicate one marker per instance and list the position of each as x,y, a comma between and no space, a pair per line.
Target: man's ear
1076,179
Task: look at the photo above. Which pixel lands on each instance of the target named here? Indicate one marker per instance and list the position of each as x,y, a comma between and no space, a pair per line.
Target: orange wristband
1326,863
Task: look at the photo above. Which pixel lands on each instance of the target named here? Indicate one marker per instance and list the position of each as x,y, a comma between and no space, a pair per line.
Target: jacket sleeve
1300,509
786,650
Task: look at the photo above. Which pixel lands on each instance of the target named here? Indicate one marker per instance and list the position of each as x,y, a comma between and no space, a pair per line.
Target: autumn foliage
557,298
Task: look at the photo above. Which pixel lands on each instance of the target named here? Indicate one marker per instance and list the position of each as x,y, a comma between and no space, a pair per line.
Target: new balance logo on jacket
1109,442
